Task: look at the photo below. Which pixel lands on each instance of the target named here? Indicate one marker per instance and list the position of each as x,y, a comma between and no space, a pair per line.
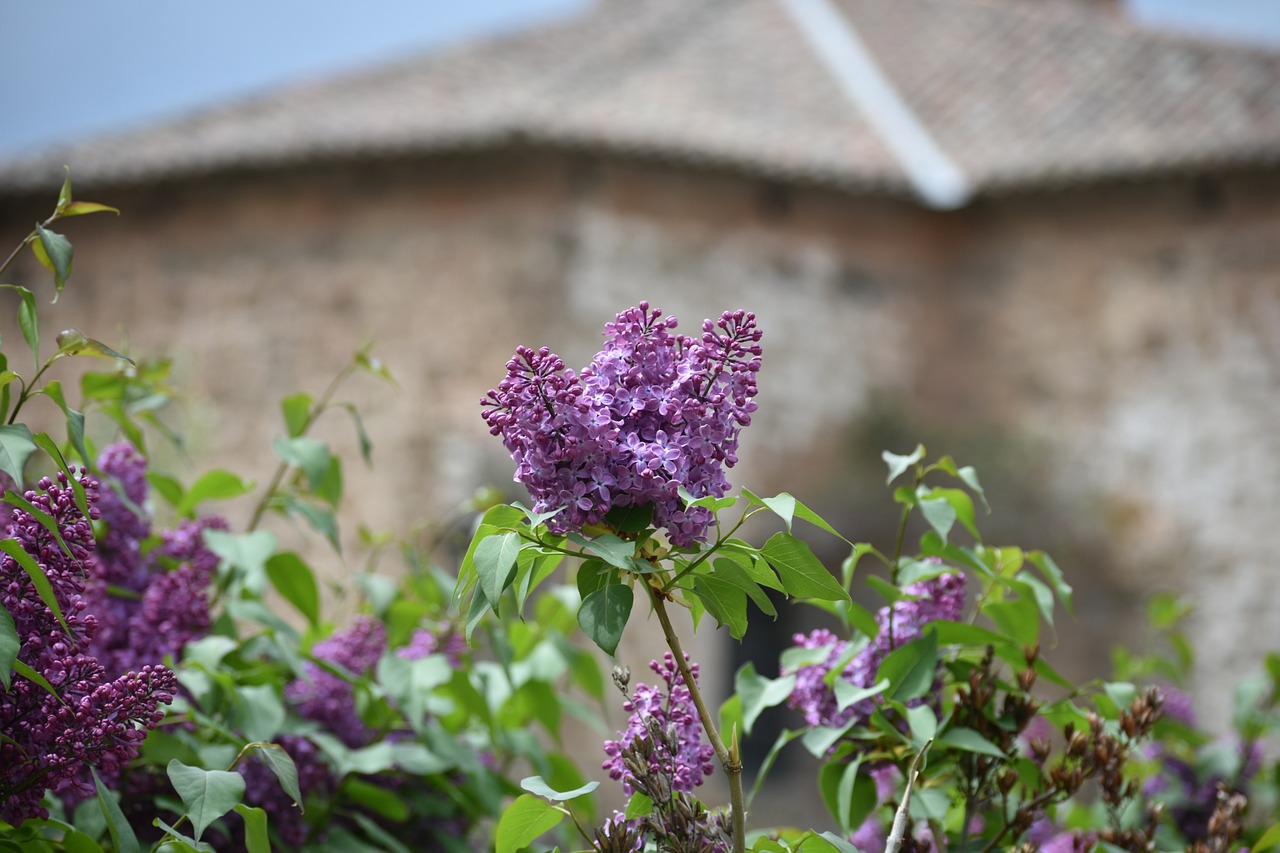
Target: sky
72,68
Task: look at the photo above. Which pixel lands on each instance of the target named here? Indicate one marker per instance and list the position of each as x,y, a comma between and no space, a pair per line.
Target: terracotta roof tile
1018,94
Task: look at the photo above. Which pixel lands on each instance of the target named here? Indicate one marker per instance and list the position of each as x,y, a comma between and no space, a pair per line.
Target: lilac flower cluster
1184,785
653,412
323,697
443,640
937,598
148,605
670,709
93,720
328,699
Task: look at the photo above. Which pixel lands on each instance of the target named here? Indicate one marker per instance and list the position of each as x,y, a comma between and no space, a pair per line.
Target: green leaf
937,510
911,668
375,798
1017,618
309,454
28,320
630,519
897,464
294,580
787,508
1269,839
207,794
80,208
281,764
167,487
75,419
613,550
256,839
16,447
366,446
592,575
247,552
256,711
848,693
122,835
968,740
1057,581
732,572
758,693
9,646
321,520
537,785
39,580
495,562
76,342
47,444
175,842
603,615
726,602
638,806
216,485
297,413
54,251
521,824
64,194
31,675
801,573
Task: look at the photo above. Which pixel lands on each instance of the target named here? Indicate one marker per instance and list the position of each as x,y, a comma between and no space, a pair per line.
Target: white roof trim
936,178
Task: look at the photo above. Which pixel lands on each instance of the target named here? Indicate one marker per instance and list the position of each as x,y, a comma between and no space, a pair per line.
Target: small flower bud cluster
937,598
679,753
91,719
653,412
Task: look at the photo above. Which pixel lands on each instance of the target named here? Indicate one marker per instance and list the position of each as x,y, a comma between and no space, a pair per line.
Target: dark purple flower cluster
315,779
653,412
328,699
930,600
148,605
1187,782
93,720
671,710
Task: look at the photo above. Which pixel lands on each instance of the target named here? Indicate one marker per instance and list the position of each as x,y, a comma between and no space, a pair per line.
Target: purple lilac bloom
148,606
329,699
652,413
670,709
870,837
93,720
937,598
442,640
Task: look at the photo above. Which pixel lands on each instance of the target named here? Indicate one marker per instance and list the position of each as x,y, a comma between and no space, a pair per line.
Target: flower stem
730,761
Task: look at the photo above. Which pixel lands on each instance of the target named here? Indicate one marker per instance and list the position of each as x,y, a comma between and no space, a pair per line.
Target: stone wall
1107,357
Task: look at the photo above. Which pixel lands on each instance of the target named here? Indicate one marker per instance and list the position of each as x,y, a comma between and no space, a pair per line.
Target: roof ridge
936,178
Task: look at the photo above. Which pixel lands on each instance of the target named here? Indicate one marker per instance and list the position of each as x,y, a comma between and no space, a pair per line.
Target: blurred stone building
1027,234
